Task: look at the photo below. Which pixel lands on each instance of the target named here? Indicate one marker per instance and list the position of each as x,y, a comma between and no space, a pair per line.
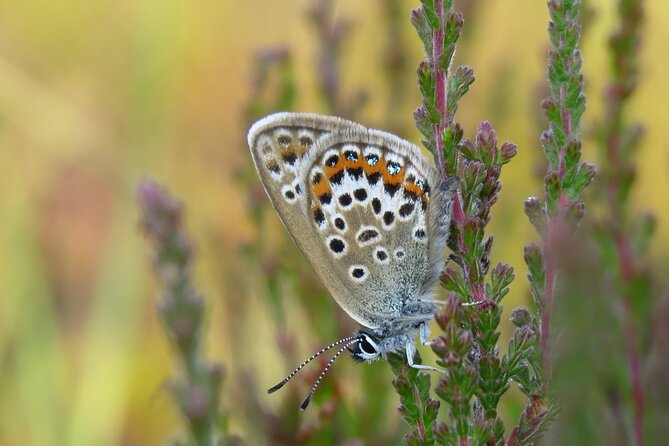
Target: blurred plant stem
623,235
330,37
272,83
556,217
181,309
395,65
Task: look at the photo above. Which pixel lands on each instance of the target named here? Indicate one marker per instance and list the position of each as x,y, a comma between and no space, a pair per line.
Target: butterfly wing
365,207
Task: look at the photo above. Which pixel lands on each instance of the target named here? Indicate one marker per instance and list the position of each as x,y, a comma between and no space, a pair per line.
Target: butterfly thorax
392,335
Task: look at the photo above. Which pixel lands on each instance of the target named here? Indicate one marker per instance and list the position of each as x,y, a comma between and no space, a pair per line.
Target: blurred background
94,95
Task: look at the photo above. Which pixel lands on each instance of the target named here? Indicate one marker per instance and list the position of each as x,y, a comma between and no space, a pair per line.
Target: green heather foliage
476,377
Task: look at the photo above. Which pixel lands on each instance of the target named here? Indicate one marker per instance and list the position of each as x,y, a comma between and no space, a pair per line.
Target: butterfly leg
471,304
434,301
424,334
411,351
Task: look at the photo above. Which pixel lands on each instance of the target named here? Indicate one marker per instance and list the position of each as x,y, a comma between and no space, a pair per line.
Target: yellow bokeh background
95,95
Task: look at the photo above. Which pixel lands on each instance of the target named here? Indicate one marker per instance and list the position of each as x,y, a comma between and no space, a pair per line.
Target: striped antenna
348,340
306,401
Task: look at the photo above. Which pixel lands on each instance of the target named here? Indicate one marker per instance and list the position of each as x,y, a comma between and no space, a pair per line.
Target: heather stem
559,213
181,309
440,76
566,175
618,141
546,316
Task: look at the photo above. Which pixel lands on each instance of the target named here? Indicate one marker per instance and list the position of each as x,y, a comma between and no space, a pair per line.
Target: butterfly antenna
306,401
314,356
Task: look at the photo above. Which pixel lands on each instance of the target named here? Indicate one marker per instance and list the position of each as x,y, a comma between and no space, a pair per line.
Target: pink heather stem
555,230
440,85
627,270
547,312
635,374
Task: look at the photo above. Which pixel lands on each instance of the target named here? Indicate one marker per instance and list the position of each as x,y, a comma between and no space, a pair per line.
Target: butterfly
370,214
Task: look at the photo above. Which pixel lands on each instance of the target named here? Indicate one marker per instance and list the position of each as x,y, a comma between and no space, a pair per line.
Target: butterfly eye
366,349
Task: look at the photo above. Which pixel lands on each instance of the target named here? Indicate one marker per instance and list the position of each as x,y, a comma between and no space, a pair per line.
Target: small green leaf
535,264
550,147
431,13
500,278
574,213
420,22
520,316
584,175
454,22
423,123
552,188
506,152
534,210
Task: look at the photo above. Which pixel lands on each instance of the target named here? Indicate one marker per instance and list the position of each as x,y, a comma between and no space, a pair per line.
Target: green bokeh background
96,94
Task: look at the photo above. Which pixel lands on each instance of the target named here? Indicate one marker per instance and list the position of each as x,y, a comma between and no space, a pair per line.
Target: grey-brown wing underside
358,204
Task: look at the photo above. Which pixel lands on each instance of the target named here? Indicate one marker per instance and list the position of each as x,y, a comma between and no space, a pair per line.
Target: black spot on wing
391,188
273,166
319,216
345,200
381,254
367,235
337,178
337,245
284,140
406,209
360,194
376,205
410,195
373,178
289,158
355,172
358,273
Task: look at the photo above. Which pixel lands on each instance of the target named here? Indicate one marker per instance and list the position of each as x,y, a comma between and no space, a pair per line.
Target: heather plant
623,237
615,288
476,376
181,308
